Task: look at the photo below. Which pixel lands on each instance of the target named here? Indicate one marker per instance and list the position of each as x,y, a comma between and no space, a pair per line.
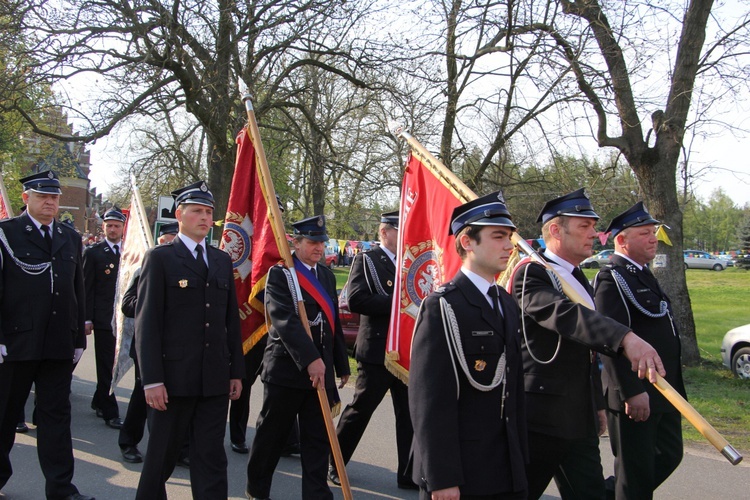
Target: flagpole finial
397,129
246,96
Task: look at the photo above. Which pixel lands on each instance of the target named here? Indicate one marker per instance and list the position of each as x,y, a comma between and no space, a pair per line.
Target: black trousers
204,418
104,349
51,379
281,406
136,415
373,382
575,465
239,409
646,453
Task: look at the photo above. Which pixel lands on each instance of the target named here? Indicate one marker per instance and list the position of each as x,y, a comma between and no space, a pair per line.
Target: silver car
735,351
696,259
598,260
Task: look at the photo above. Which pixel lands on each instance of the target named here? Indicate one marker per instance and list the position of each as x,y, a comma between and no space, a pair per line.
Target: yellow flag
661,235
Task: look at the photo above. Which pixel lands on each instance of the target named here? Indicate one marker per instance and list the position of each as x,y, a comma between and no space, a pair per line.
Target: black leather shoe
22,428
240,448
291,449
115,423
333,476
79,496
404,485
131,455
98,410
184,462
248,495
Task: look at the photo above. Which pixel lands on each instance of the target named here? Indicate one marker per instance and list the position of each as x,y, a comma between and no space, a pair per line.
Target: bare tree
150,56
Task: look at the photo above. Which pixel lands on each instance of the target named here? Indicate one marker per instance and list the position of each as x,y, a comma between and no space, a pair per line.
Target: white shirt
192,245
482,285
39,225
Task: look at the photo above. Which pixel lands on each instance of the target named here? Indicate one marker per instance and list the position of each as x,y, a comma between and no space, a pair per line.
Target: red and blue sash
309,283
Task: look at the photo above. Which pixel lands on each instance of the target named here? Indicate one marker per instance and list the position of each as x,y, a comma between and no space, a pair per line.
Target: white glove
77,354
3,352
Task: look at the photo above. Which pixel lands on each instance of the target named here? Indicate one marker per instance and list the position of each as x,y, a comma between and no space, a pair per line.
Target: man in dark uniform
41,329
645,431
370,293
187,338
294,365
564,408
466,379
135,418
101,263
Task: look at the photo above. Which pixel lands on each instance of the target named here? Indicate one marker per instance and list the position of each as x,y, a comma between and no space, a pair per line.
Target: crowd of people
508,390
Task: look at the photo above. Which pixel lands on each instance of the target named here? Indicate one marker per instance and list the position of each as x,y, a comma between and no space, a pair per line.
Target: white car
735,351
697,259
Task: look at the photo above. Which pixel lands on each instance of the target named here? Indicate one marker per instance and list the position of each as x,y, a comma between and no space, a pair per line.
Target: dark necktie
47,236
581,278
494,293
116,249
201,261
314,270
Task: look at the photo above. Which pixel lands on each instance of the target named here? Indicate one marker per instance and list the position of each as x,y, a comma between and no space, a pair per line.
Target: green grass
720,301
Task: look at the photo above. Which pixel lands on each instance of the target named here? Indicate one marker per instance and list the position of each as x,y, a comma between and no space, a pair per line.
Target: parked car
695,259
735,351
332,258
349,321
598,260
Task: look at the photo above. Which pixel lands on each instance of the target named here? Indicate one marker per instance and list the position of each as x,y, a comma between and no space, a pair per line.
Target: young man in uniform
101,263
466,378
187,338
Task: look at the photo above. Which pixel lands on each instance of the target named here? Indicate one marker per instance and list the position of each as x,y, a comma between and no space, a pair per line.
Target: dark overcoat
561,396
187,326
620,382
375,308
460,438
41,313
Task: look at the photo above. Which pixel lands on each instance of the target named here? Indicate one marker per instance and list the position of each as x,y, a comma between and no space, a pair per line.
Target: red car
349,323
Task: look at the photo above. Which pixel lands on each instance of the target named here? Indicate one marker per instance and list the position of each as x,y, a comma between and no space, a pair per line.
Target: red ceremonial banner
426,256
5,209
249,240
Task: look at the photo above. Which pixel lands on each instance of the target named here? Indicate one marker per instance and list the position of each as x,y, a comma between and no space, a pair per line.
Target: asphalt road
704,474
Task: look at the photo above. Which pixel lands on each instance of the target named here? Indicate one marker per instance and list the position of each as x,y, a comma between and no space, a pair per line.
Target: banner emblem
237,243
423,275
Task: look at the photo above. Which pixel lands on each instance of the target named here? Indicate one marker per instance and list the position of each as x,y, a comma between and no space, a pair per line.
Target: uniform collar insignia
631,268
28,228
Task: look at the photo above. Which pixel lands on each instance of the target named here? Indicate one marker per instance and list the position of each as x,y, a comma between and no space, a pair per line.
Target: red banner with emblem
6,212
426,256
249,240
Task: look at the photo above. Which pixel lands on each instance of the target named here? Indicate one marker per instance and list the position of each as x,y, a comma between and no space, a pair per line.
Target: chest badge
389,283
480,365
107,271
183,283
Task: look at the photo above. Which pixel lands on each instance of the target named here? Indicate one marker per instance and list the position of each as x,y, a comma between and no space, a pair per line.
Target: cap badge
50,175
204,188
320,221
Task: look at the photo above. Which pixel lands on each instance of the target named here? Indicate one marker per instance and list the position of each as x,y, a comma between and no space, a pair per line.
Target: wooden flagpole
274,216
452,182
